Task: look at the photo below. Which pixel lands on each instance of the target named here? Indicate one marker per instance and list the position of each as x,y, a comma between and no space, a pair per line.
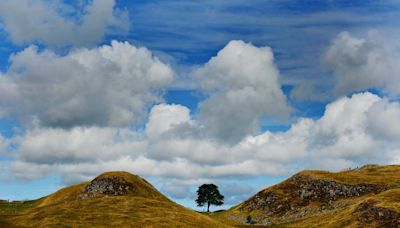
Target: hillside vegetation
364,197
115,199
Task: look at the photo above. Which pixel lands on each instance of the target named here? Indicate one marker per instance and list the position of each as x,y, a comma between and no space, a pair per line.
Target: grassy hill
364,197
115,199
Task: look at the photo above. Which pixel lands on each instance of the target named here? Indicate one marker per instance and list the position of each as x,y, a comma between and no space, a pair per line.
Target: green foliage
208,194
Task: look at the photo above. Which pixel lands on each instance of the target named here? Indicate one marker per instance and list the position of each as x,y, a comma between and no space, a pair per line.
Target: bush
250,220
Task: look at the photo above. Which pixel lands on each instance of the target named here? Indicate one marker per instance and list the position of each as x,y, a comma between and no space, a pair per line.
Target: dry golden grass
118,211
142,189
343,217
388,175
146,207
348,216
389,199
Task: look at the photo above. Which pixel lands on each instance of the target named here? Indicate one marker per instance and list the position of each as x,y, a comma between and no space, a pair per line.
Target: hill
368,196
364,197
117,199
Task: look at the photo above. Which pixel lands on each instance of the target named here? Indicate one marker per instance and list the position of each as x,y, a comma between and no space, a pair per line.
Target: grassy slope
9,210
145,208
388,175
348,216
149,208
383,175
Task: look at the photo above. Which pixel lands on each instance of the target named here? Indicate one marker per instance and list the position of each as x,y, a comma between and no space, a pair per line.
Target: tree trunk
208,206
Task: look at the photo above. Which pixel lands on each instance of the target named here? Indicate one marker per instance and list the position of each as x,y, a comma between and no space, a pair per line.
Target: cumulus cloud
344,136
242,83
53,23
83,104
384,120
363,63
165,117
347,135
111,85
80,144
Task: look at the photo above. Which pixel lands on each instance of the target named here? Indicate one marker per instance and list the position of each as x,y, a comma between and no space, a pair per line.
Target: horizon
236,93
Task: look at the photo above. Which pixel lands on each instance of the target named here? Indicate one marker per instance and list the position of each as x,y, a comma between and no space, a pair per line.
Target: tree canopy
208,194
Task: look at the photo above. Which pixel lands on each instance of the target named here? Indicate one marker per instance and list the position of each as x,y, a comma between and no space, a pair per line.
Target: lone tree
209,194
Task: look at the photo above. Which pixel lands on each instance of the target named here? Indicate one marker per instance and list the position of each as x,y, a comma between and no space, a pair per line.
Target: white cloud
345,136
242,83
105,86
165,117
342,132
96,149
85,102
362,63
79,144
54,24
384,120
342,137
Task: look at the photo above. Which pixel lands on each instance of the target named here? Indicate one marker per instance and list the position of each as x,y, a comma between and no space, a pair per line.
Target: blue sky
240,93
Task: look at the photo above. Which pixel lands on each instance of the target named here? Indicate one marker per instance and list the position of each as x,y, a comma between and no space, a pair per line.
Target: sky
238,93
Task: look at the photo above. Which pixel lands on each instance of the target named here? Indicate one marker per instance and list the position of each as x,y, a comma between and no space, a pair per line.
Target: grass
13,208
142,189
8,210
387,175
119,211
145,207
347,216
379,175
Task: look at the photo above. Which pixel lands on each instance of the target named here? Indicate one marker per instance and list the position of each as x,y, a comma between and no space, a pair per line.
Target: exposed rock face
271,203
112,186
382,217
326,190
303,195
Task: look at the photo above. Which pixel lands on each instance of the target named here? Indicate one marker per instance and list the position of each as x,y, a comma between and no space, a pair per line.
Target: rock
383,217
109,186
327,190
303,195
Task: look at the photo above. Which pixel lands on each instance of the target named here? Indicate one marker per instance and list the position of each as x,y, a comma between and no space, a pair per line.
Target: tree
209,194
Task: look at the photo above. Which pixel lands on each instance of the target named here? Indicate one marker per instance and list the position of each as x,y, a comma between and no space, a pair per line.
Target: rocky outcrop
310,189
303,195
110,186
270,203
379,216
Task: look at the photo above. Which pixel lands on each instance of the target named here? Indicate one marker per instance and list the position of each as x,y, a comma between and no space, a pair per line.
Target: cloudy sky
239,93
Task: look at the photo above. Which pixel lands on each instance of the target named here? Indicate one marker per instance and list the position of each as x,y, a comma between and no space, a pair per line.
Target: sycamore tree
208,194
